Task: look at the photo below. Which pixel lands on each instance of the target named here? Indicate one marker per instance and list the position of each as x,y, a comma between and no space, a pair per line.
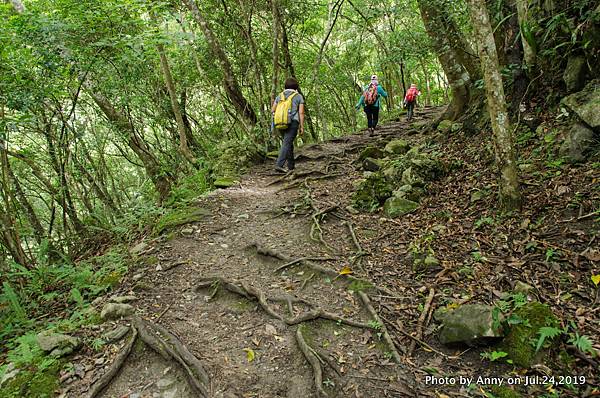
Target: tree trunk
525,29
183,144
510,197
276,24
457,75
231,84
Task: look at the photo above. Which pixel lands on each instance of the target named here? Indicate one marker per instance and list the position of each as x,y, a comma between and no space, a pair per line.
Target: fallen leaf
596,279
346,271
249,354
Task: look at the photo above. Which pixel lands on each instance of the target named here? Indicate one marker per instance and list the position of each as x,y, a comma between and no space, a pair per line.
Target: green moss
177,217
505,392
359,286
244,304
372,192
520,341
40,383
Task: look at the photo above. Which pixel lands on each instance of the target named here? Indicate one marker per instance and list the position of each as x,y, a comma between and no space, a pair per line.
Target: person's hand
301,130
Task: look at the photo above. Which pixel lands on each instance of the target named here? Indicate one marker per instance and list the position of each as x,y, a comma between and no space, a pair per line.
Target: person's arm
301,116
382,91
361,102
274,106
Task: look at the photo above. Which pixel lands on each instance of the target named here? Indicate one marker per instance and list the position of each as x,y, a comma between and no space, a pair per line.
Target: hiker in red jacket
410,100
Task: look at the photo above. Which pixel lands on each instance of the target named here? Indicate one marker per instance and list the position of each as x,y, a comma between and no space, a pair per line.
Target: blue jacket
380,93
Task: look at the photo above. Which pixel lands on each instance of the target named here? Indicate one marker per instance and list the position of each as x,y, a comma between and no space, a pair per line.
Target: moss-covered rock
445,126
396,207
519,343
224,182
505,392
398,147
40,383
585,103
177,217
371,164
372,192
370,152
470,324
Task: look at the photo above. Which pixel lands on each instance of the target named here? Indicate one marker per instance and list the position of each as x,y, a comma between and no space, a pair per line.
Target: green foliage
546,333
493,355
176,217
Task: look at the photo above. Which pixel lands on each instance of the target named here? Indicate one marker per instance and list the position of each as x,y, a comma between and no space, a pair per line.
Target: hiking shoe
280,169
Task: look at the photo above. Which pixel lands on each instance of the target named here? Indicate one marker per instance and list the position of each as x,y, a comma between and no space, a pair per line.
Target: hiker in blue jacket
370,101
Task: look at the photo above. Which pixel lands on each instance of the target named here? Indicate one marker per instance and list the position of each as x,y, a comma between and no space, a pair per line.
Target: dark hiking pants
372,115
410,107
286,153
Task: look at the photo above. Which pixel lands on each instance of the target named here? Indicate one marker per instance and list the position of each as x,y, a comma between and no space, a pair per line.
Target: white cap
374,77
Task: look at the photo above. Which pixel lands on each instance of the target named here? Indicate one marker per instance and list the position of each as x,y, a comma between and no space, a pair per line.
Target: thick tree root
386,336
170,348
297,183
167,346
313,360
250,292
116,366
264,251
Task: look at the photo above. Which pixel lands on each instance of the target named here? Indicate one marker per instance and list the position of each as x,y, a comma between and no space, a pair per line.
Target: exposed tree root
319,268
360,253
386,336
307,179
313,359
250,292
170,348
115,367
301,259
421,321
167,346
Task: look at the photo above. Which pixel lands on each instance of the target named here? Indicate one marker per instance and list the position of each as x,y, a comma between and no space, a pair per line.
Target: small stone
187,231
9,373
456,126
137,277
116,311
165,383
526,167
116,334
351,210
476,196
522,287
56,343
244,216
122,299
140,247
270,329
99,361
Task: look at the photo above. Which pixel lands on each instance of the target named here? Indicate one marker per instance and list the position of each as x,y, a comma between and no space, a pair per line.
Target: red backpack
371,94
411,94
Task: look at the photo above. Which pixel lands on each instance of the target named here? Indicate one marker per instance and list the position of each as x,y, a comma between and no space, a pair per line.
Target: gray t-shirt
296,101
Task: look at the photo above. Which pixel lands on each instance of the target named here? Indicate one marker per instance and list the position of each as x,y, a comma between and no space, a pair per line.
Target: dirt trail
224,329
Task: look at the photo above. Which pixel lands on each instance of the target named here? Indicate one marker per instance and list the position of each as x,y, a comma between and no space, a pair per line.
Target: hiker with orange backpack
370,101
288,119
410,100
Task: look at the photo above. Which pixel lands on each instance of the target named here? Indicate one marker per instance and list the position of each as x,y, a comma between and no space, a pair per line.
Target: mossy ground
38,383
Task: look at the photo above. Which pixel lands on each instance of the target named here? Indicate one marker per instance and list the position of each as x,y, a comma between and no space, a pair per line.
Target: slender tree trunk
183,144
162,181
276,24
525,29
17,5
510,197
231,84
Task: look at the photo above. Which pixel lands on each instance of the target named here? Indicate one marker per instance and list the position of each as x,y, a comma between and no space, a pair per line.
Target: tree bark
231,84
458,77
525,28
276,24
183,144
510,197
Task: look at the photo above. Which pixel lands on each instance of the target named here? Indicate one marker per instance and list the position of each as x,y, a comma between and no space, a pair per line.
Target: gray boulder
396,207
574,75
122,299
578,143
57,344
470,324
140,247
116,311
371,152
586,103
